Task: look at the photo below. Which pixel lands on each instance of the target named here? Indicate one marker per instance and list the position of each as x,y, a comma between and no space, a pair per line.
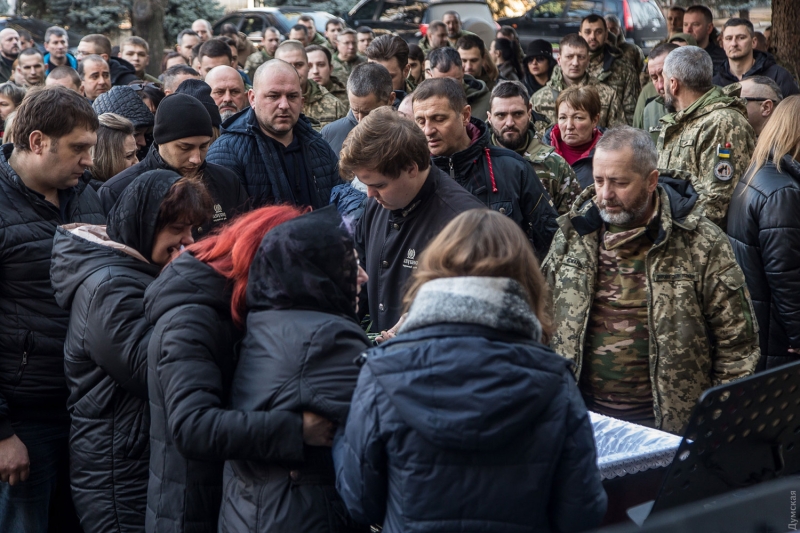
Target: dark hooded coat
101,278
122,72
764,65
298,355
191,360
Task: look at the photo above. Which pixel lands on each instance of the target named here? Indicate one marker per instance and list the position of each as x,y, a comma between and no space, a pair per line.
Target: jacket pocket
504,208
28,344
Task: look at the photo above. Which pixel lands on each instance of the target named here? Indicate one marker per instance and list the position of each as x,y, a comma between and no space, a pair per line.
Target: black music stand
739,434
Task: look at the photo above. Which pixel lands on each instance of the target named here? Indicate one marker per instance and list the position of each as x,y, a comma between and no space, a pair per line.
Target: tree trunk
148,23
744,14
786,33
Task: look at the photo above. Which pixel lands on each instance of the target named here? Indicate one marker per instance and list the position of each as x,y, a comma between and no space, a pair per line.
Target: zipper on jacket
26,349
452,172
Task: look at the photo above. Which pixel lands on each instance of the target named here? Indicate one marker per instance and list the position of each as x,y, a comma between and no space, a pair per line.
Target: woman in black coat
298,355
196,306
466,421
764,230
100,274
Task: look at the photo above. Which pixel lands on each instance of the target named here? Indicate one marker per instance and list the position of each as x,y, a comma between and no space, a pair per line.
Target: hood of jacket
716,98
118,68
306,263
474,88
462,161
472,383
132,220
124,101
186,281
80,250
678,202
71,61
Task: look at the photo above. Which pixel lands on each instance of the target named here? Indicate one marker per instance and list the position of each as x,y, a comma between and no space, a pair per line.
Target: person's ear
767,107
465,114
36,141
406,71
104,56
652,181
391,99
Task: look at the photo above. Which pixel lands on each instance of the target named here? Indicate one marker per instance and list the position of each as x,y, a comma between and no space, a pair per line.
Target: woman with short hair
576,133
764,231
466,420
115,149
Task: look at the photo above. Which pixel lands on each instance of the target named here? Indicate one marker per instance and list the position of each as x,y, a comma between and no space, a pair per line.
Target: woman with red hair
197,308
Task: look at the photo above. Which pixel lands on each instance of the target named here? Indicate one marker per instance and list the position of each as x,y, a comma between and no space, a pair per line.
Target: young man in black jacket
409,201
182,134
461,146
43,184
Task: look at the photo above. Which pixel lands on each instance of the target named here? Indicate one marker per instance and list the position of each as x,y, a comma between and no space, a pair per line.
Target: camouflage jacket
554,172
339,90
700,317
342,69
321,105
712,140
611,68
254,61
544,100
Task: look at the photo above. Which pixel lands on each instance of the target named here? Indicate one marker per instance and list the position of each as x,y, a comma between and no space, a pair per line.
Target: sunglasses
750,99
138,86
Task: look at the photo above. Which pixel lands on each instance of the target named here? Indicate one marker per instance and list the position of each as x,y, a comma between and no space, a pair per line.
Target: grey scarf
497,303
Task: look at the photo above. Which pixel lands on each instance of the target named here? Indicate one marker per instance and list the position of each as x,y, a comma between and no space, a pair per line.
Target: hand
14,463
392,332
317,430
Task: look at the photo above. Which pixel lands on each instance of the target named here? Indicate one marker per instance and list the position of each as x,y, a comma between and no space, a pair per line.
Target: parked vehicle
410,18
643,20
252,22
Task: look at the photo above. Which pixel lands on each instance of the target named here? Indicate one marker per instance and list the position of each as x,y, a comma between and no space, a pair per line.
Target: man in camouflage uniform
630,52
706,132
513,128
346,58
648,299
270,40
572,70
318,103
320,68
607,65
436,37
452,21
314,37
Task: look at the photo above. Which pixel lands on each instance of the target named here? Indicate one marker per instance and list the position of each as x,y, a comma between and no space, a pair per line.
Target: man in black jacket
43,184
698,21
182,135
409,201
744,61
500,178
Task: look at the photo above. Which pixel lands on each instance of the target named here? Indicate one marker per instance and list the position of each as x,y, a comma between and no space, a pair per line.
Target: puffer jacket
245,150
465,422
191,360
33,327
765,234
764,65
703,330
298,355
504,182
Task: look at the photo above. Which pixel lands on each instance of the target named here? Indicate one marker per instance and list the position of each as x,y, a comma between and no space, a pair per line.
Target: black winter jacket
245,150
298,355
230,197
191,360
764,65
336,132
718,56
33,326
122,72
461,427
764,231
389,242
504,182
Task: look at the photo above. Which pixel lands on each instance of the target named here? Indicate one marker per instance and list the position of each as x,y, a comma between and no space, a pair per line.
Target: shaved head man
9,50
202,28
227,90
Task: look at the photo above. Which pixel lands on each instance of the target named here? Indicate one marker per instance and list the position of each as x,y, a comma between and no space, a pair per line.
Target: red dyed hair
231,250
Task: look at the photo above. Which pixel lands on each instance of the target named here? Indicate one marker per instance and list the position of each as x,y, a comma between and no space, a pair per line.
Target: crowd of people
339,282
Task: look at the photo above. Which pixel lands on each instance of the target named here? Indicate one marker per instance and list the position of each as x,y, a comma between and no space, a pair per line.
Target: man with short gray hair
762,94
369,87
648,299
706,132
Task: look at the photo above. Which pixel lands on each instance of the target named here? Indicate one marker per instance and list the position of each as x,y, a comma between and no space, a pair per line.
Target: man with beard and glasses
499,178
512,127
182,134
227,90
706,132
648,299
9,50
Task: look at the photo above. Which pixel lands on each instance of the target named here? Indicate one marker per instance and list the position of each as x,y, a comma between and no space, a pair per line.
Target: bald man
278,157
227,90
202,28
9,50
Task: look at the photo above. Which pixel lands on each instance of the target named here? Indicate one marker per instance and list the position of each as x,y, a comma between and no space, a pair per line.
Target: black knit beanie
202,91
180,116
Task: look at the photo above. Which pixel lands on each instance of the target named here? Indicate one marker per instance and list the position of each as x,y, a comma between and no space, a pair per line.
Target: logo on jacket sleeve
219,214
409,261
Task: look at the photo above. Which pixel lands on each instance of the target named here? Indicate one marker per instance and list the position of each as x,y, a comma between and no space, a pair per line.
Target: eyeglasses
751,99
138,86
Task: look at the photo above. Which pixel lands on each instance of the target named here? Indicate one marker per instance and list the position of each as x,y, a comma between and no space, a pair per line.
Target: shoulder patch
723,171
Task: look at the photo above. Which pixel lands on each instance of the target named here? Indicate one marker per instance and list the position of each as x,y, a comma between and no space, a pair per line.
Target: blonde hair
108,156
781,136
482,242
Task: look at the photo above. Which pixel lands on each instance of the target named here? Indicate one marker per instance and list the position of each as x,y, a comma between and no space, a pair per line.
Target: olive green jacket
700,317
